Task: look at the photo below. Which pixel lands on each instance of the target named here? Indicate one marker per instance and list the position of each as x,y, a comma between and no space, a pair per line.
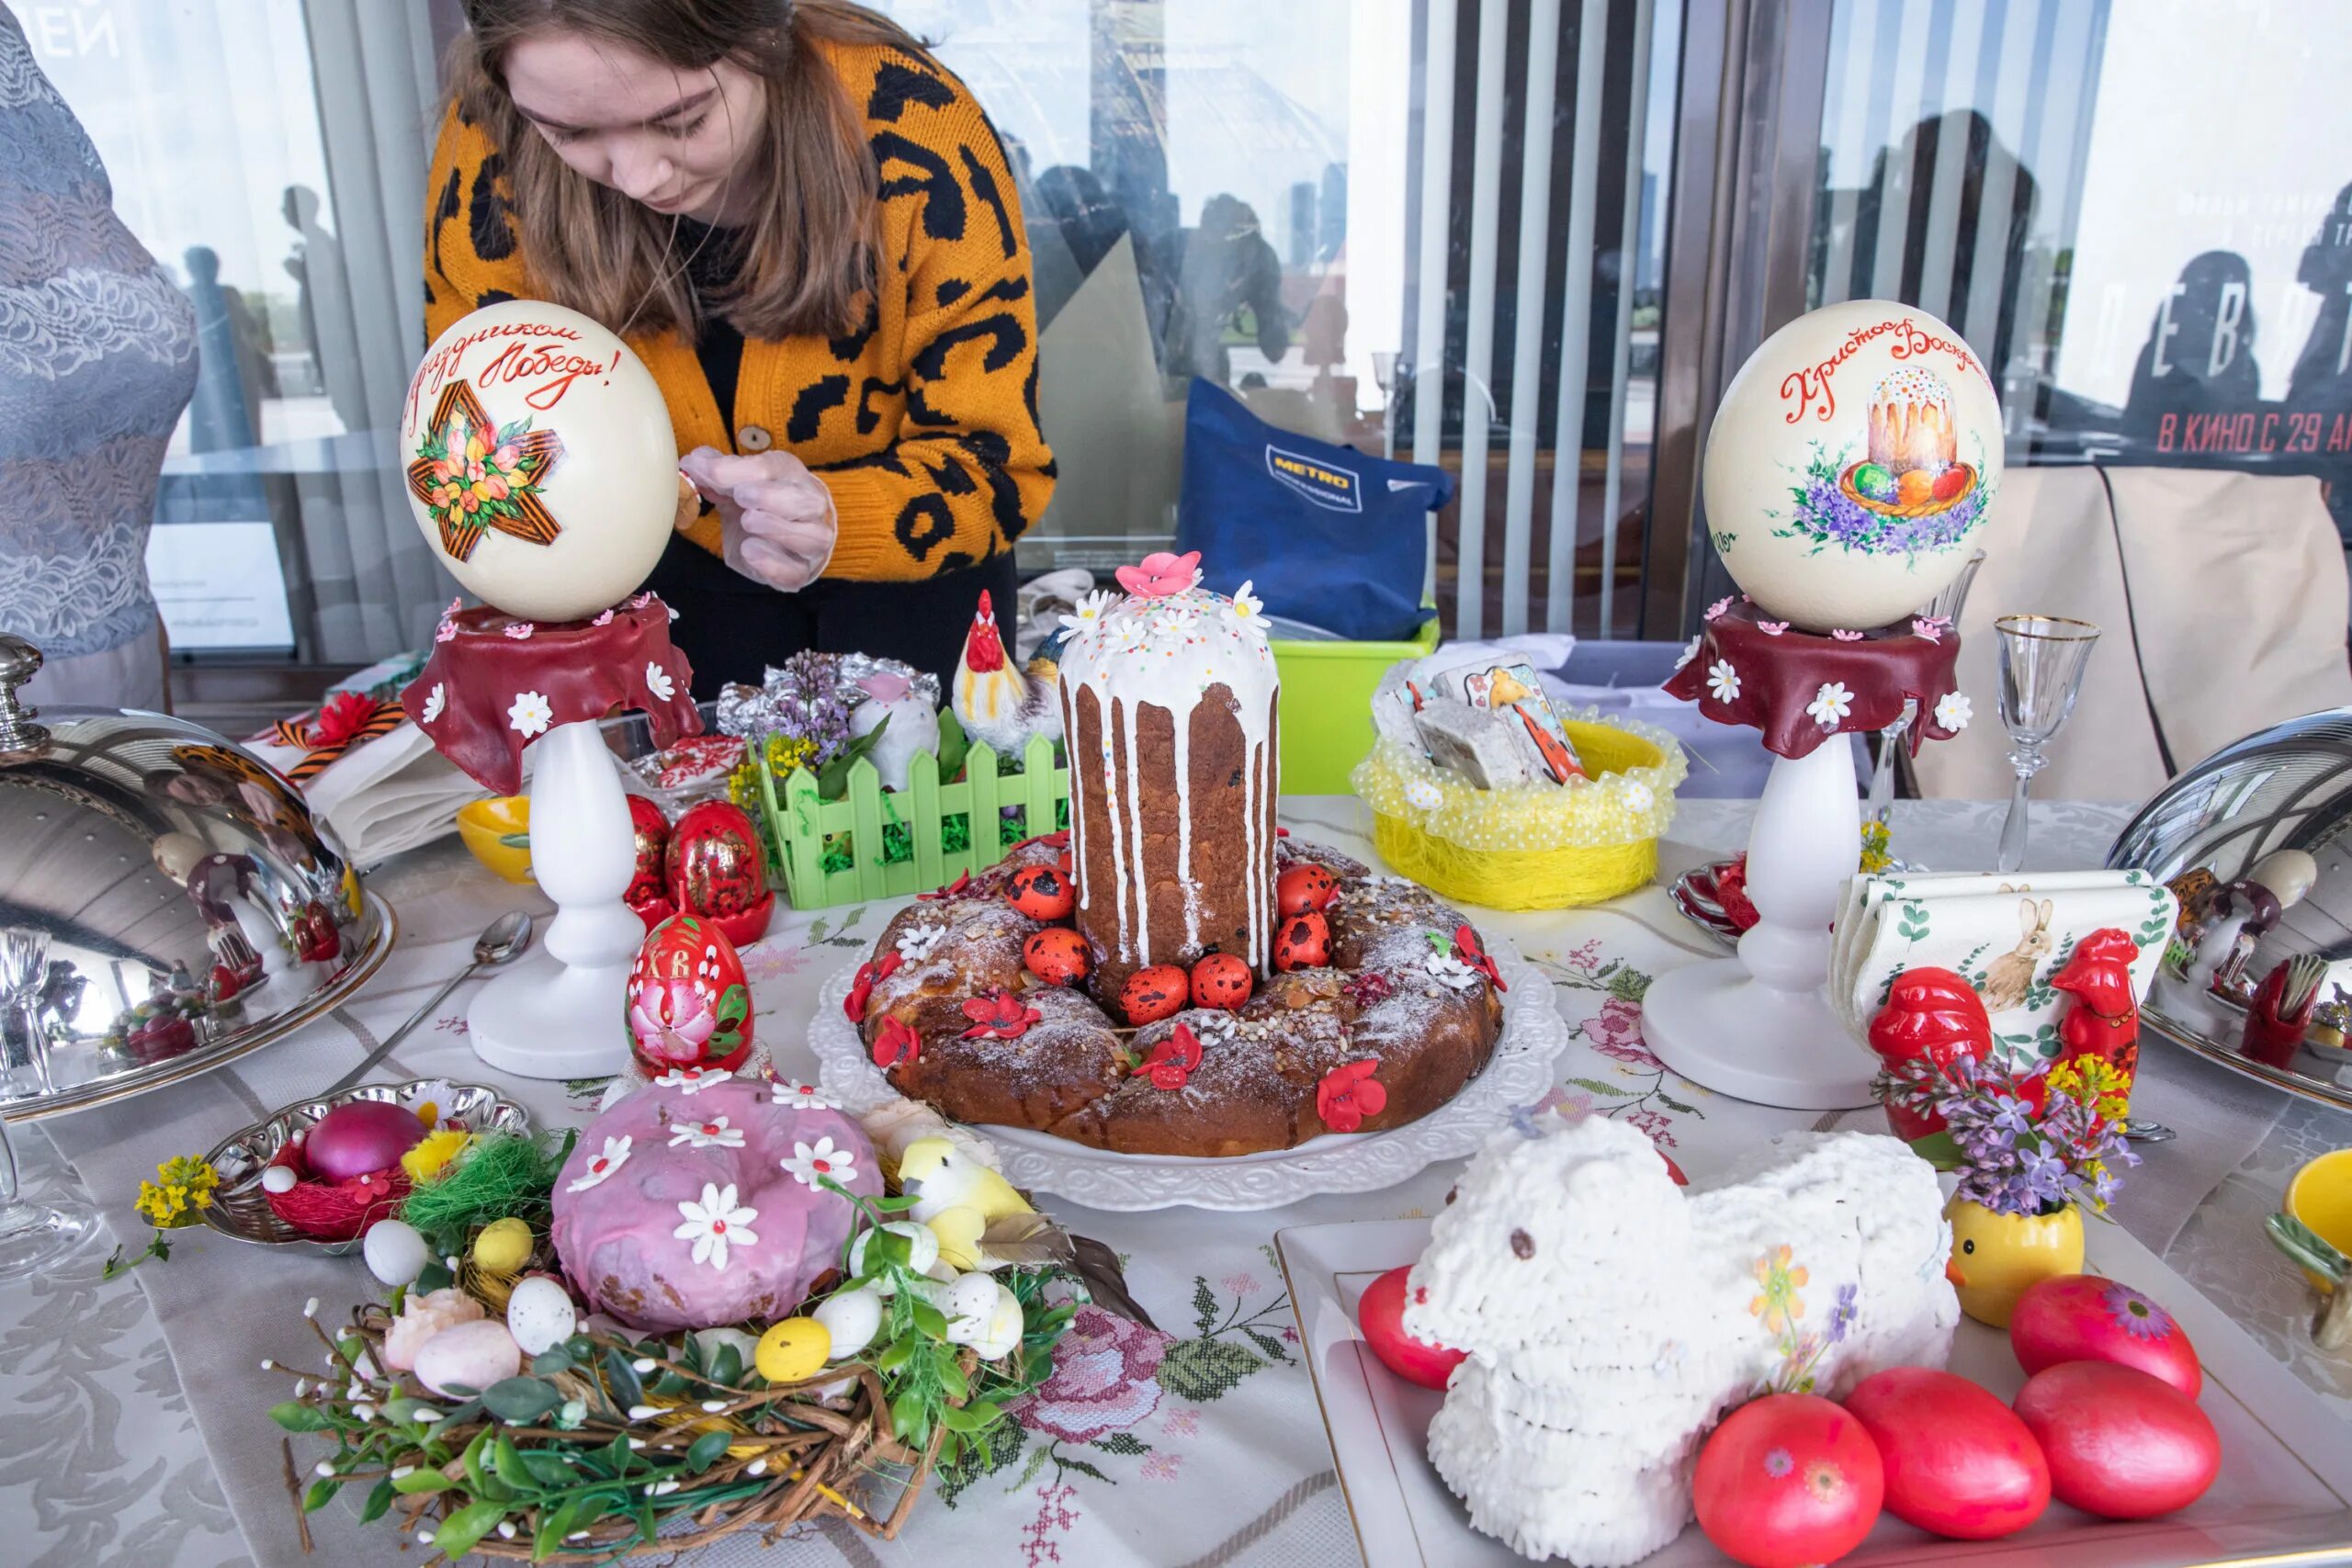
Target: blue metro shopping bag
1324,534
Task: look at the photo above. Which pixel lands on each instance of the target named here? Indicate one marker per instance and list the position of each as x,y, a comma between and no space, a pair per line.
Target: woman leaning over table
807,229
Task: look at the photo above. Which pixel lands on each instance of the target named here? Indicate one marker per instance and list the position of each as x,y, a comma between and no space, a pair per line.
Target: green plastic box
1326,705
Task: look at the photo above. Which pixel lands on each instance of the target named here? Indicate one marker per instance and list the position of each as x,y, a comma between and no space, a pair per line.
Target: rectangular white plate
2284,1494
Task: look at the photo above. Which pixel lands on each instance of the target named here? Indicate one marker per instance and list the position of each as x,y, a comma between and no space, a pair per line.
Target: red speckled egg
1381,1317
2081,1318
714,868
1302,943
1042,893
1152,993
1958,1461
2120,1444
1304,887
1788,1480
689,1004
1057,955
1221,980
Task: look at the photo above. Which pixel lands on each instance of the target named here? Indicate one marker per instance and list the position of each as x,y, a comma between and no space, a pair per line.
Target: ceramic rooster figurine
1001,706
2105,1019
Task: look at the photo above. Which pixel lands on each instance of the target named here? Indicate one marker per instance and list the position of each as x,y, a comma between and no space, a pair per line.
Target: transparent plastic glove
776,518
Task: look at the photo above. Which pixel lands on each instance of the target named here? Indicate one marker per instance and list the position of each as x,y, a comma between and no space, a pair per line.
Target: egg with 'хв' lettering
541,461
688,1003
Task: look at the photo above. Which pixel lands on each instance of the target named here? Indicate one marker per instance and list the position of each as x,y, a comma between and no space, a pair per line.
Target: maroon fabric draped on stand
1777,680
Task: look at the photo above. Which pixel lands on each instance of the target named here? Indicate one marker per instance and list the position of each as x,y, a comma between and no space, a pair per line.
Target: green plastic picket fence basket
804,827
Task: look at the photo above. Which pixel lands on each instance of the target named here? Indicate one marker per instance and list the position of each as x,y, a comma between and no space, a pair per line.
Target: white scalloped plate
1518,1073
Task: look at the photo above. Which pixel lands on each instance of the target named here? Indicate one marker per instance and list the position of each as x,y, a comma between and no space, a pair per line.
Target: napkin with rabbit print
2007,934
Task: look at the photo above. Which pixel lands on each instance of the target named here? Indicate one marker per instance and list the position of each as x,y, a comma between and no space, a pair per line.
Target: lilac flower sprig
2012,1158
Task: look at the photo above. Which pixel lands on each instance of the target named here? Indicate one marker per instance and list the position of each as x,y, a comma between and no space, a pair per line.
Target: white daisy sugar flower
530,714
1090,611
800,1096
1723,681
714,1134
811,1161
1248,609
1690,652
434,701
693,1080
716,1224
917,944
1830,705
616,1155
1954,712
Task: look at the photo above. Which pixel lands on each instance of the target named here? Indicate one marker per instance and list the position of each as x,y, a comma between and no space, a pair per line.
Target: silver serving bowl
241,1209
167,904
2288,787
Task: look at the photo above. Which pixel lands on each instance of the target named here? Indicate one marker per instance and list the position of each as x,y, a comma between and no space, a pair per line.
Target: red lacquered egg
689,1004
715,868
1221,980
1380,1316
1151,994
360,1137
1042,893
2120,1444
2081,1318
1057,955
1788,1480
1958,1462
652,830
1301,941
1950,483
1303,888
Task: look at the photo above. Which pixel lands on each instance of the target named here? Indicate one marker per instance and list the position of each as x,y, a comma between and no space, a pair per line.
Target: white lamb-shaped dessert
1612,1318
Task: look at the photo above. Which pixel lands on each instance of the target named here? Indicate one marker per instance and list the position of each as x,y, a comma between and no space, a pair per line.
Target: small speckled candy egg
967,1303
793,1349
539,1314
1042,893
922,1247
1155,992
469,1354
503,1247
394,1249
1872,482
1221,980
1304,887
1303,942
852,1319
1057,955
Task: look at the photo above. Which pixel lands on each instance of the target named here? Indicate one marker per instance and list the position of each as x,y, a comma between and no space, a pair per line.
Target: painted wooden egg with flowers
1852,464
541,461
689,1004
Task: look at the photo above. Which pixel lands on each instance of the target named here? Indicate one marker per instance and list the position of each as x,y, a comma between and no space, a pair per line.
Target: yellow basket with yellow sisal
1535,846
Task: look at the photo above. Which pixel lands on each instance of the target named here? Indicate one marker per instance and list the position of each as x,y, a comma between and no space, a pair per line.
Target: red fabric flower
1000,1015
1368,989
861,990
897,1042
963,880
1467,948
1173,1059
1347,1095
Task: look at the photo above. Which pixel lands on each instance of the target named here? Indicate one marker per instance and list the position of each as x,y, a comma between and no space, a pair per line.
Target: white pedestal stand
1759,1027
558,1013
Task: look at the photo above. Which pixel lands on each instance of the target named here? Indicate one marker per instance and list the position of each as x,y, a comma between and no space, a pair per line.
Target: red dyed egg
649,890
1381,1317
1958,1462
714,868
688,1004
1042,893
360,1137
1057,955
1221,980
2081,1318
1950,483
1788,1480
2120,1444
1304,887
1302,941
1152,993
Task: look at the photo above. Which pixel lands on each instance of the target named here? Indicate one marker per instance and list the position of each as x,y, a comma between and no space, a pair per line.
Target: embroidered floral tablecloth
139,1431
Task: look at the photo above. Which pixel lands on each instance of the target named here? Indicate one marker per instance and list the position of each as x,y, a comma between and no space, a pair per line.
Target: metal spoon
502,941
2139,1132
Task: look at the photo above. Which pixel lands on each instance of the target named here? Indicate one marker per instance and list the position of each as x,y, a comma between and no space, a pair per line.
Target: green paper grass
500,1173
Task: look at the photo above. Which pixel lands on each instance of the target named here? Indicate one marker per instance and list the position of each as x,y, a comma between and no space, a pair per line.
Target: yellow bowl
498,833
2321,1196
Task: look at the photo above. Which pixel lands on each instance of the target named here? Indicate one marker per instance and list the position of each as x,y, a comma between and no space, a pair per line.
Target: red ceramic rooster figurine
2105,1019
1933,1014
1001,706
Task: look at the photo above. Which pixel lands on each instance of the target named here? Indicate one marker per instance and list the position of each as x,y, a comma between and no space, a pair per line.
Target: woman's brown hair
808,252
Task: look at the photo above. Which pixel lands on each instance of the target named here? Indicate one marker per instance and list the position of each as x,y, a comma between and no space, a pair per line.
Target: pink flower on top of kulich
1160,574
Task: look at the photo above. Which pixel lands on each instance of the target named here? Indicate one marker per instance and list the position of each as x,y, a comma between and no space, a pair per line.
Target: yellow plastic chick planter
1997,1258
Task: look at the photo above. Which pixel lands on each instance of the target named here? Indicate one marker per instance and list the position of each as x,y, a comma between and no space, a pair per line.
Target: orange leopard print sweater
923,422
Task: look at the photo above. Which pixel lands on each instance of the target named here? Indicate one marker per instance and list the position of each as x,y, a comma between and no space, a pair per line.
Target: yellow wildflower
181,1189
1877,847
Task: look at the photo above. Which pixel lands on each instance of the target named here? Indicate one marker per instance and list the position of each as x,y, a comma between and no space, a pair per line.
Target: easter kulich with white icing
1170,706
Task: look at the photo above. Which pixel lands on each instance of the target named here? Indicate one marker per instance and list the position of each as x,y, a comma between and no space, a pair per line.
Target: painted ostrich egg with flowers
539,460
1852,464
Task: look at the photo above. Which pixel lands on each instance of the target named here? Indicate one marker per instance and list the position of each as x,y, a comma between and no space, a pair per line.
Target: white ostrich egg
1852,464
540,460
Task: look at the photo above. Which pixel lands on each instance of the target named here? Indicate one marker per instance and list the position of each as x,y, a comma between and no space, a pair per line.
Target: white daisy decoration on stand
521,630
693,1080
1723,681
1830,705
917,944
530,714
434,701
809,1162
1954,712
1090,611
714,1225
657,682
714,1134
616,1155
1689,653
800,1097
